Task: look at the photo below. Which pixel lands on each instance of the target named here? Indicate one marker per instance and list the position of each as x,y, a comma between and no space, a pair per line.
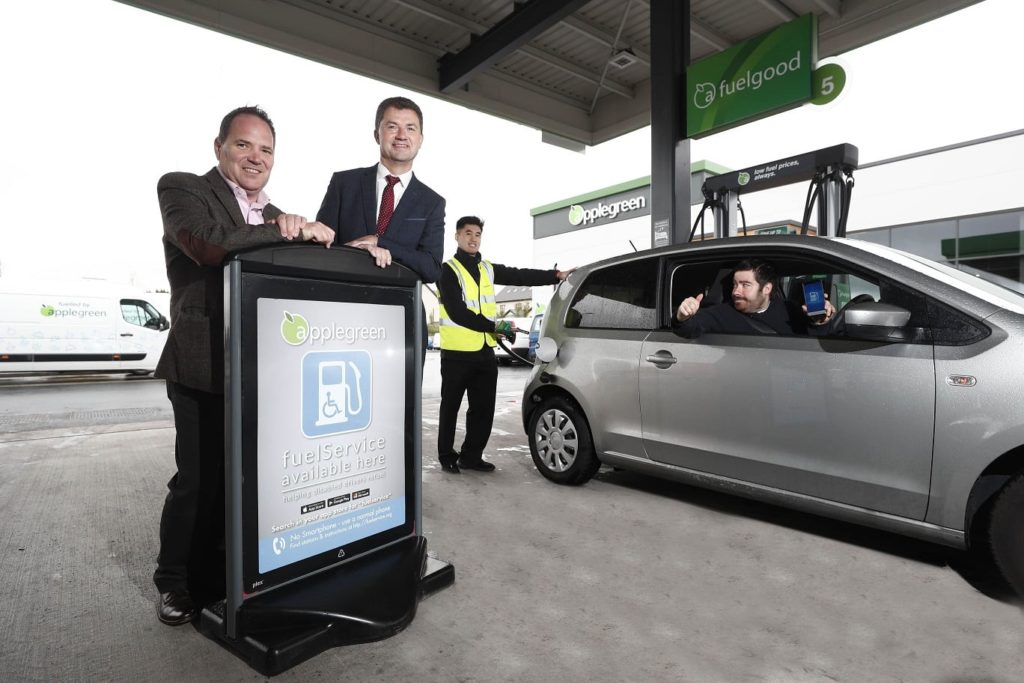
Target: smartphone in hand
814,298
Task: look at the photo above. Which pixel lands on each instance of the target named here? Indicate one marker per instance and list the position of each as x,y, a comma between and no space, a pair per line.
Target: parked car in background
906,415
521,346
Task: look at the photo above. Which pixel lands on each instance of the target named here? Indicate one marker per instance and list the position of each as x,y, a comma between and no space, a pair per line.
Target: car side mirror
165,324
874,321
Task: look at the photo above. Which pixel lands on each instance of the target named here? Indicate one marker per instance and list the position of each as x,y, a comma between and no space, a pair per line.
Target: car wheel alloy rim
557,441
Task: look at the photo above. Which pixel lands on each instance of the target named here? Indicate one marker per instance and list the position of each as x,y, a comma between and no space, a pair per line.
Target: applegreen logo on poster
46,311
743,178
294,328
575,214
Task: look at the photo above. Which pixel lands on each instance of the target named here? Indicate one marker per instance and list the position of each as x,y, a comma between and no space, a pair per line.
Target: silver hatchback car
906,415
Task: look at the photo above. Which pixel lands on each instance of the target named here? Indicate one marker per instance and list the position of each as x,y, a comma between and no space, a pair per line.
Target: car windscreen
990,282
980,283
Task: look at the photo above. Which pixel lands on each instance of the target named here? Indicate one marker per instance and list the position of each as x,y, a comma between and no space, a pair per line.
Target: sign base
370,598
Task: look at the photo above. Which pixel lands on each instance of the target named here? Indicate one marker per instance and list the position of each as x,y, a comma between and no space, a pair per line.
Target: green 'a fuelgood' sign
757,77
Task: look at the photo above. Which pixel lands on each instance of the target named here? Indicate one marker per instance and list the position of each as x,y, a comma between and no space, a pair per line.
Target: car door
611,313
834,418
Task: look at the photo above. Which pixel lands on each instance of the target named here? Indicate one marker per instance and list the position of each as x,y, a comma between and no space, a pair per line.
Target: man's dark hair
225,124
764,272
468,220
397,103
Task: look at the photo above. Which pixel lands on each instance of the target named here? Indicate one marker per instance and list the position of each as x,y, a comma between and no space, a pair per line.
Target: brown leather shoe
176,608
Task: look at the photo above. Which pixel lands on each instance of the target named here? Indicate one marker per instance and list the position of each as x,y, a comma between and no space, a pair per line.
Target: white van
78,326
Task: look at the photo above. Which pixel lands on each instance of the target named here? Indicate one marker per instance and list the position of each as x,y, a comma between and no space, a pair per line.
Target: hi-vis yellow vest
478,299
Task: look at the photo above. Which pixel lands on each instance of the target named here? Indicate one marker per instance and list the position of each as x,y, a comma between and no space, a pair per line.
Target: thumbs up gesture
689,307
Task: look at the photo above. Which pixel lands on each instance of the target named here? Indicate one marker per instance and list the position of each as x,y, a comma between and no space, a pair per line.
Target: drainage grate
85,418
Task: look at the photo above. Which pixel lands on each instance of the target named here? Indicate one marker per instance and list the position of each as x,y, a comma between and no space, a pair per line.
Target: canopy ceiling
574,69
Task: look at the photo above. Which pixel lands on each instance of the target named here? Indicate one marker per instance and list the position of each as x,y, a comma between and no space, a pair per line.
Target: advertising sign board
326,431
763,75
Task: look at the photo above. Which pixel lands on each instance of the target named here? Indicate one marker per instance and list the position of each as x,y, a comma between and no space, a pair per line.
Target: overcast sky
101,99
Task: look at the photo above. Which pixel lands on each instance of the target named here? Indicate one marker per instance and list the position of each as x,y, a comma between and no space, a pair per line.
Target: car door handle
127,334
662,359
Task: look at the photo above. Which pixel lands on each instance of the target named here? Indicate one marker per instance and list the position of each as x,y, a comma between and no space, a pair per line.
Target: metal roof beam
511,33
709,35
600,35
830,7
779,10
443,15
574,70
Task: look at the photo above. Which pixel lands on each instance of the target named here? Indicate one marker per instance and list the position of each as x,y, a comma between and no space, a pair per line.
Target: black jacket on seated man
780,317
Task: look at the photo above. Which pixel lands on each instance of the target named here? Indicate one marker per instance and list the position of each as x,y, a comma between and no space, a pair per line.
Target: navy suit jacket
415,235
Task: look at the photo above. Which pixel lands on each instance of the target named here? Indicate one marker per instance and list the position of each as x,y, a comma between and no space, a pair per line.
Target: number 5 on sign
829,81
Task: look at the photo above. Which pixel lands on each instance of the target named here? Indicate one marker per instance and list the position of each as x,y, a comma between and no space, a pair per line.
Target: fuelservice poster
331,426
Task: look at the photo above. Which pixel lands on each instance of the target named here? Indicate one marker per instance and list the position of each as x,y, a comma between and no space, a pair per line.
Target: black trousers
192,524
476,374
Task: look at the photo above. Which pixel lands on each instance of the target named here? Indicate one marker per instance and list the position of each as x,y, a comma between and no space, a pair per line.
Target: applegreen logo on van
294,328
46,311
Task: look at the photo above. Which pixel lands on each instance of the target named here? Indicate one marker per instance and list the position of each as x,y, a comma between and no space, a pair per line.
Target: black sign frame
317,275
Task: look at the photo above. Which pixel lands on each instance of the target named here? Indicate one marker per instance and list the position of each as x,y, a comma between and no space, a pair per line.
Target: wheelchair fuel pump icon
340,392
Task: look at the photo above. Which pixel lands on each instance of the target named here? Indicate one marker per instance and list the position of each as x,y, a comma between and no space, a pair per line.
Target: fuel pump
829,170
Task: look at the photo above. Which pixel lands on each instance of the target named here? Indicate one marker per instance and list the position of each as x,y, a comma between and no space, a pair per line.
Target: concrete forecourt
627,578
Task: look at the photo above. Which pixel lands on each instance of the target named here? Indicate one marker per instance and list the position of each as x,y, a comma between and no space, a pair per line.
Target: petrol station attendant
205,218
469,332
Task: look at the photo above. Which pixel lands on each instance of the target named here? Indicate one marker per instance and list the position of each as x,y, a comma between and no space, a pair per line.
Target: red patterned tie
387,205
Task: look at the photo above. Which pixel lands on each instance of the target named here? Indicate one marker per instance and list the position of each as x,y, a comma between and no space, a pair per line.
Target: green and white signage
331,436
760,76
611,205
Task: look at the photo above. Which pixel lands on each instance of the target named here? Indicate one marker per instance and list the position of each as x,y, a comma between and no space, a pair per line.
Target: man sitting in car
752,308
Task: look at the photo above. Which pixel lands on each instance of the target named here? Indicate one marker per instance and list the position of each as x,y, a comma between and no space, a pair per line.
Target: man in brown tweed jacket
206,217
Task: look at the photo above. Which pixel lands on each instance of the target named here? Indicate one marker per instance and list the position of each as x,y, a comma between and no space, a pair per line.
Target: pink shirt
252,211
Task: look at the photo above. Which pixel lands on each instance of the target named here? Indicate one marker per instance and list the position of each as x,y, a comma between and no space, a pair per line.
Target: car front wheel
1006,532
560,442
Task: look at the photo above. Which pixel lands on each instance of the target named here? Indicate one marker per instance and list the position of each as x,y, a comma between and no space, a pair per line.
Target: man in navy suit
385,209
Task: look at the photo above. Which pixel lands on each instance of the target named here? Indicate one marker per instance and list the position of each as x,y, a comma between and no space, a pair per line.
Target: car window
713,279
841,287
623,296
845,284
141,313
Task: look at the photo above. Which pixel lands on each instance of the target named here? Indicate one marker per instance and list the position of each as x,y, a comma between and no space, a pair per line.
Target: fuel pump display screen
329,427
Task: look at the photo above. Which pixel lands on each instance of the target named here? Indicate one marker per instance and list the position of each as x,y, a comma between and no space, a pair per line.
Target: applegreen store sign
760,76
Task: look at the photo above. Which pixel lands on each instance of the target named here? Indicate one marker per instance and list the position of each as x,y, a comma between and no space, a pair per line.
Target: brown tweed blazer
202,224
